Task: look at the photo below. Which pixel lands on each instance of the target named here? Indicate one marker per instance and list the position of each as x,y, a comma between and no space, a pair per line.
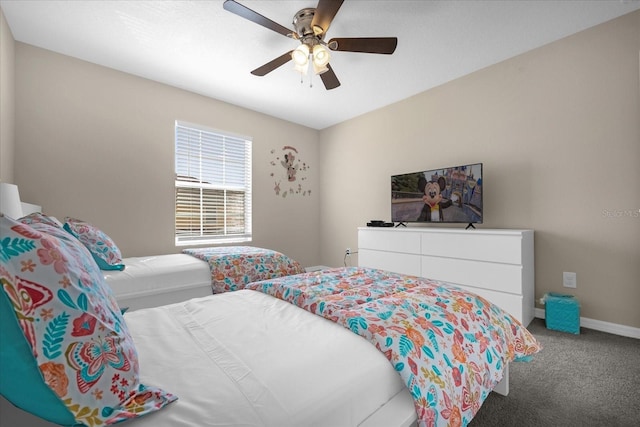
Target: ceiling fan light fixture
300,55
321,56
310,27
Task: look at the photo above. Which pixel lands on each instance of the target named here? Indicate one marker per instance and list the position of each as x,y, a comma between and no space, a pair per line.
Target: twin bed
164,279
153,281
261,360
341,347
254,360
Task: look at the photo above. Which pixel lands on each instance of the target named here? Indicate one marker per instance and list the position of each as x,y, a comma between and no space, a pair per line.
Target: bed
280,365
152,281
307,349
327,367
268,364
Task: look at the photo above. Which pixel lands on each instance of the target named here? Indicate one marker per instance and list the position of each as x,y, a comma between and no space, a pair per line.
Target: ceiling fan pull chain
310,73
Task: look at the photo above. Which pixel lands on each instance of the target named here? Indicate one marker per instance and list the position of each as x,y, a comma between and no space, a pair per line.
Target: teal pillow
21,382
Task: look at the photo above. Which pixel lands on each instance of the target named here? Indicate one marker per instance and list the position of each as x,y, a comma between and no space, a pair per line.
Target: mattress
247,359
158,280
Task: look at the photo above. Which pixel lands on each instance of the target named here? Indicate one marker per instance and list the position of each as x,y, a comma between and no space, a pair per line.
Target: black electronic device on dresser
379,223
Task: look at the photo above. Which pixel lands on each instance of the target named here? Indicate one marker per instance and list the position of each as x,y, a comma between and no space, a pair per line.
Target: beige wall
558,131
98,144
7,100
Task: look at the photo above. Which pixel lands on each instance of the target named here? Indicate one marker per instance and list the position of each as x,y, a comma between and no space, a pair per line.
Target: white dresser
495,264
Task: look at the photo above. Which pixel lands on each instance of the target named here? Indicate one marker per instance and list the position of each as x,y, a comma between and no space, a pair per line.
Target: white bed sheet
247,359
157,280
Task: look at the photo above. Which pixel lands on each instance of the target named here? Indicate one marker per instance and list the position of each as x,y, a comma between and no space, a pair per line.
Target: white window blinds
213,186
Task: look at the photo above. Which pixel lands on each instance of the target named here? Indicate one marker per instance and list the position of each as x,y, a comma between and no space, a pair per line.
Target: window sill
220,241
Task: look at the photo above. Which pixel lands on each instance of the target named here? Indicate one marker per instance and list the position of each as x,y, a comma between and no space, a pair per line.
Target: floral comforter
449,346
235,266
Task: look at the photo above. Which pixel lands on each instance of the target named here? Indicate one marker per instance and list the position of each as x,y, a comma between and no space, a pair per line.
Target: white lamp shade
10,204
302,69
300,55
319,69
320,56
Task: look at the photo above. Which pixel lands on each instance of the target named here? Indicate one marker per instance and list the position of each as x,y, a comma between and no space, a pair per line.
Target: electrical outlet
347,251
569,280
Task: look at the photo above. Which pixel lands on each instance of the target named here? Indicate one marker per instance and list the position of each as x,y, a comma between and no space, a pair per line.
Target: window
213,186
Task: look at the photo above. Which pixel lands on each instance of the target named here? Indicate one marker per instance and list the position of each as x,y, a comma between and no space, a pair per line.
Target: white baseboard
599,325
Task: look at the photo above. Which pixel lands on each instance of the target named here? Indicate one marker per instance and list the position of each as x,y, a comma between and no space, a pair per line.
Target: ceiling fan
311,26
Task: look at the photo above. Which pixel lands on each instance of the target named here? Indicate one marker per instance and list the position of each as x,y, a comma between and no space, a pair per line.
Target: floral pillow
103,249
37,217
77,338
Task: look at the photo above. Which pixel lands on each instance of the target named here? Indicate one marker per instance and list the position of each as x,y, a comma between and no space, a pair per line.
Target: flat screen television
446,195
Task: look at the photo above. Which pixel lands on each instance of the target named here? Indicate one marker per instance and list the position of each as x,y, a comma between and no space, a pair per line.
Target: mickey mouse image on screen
432,198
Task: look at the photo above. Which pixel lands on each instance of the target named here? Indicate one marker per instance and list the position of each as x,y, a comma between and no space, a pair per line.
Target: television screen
447,195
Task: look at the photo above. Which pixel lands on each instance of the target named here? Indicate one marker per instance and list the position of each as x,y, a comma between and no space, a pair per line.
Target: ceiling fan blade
385,45
244,12
329,79
272,65
324,14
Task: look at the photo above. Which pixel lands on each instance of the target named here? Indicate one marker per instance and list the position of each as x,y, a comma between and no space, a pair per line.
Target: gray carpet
591,379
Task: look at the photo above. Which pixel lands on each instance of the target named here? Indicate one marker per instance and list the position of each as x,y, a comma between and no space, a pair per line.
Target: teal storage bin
562,313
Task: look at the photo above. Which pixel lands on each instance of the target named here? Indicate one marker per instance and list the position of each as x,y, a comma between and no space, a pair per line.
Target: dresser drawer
485,275
390,240
390,261
504,248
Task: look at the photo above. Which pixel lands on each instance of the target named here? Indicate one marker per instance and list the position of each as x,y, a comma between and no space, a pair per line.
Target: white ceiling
200,47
